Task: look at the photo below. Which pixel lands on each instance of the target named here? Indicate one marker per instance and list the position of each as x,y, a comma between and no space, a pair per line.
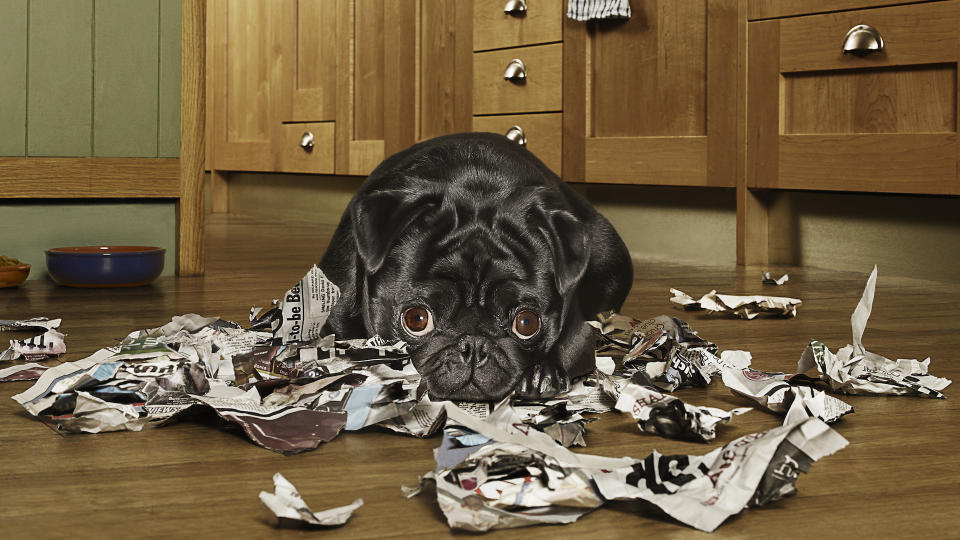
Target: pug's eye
417,321
526,324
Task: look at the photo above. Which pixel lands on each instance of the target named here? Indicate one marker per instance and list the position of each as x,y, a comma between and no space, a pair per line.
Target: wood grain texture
345,85
44,178
219,191
897,478
725,60
399,110
365,156
438,67
917,99
770,9
659,161
368,65
575,99
885,163
541,92
650,73
319,160
314,71
190,206
543,132
912,34
463,76
495,29
763,99
245,68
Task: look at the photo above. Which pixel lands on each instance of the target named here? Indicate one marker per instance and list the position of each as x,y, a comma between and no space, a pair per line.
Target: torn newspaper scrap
22,372
45,346
745,307
767,279
515,479
668,416
302,312
663,351
772,392
855,370
285,502
36,323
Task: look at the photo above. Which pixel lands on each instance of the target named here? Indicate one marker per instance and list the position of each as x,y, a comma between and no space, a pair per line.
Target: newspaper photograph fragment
292,511
513,479
855,370
22,372
768,279
664,352
773,392
45,346
667,416
744,307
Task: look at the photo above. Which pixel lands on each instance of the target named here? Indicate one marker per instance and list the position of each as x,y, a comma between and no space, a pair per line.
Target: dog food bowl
105,266
13,274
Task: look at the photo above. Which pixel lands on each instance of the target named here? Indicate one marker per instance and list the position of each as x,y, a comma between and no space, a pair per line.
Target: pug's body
484,261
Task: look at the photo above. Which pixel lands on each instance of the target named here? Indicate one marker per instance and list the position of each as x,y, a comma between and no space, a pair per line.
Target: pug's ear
378,218
569,242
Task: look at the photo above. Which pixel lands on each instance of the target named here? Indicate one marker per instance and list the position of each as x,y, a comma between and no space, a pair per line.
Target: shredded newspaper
744,307
290,508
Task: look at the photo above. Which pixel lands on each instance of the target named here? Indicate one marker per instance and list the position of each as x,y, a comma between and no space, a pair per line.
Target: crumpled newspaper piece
663,351
22,372
665,415
302,312
745,307
36,323
285,502
773,392
855,370
512,479
45,346
768,279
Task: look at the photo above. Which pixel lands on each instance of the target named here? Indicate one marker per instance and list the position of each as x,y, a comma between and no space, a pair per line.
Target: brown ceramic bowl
11,276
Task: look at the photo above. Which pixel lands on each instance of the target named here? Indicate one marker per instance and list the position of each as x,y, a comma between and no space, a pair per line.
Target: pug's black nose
473,350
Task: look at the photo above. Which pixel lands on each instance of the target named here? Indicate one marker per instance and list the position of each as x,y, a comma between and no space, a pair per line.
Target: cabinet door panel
885,121
311,36
657,104
245,33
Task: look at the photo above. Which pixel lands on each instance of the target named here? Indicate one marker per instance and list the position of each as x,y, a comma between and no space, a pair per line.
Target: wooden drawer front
494,29
772,9
543,133
319,160
541,91
884,122
912,34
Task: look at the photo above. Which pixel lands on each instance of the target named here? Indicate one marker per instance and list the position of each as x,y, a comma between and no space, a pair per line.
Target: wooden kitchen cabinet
653,100
873,119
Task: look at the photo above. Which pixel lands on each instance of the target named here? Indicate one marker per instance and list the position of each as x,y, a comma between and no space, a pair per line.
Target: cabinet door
310,67
376,105
876,120
245,33
652,100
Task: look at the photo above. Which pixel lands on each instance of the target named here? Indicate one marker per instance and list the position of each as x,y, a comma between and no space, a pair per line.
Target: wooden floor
898,478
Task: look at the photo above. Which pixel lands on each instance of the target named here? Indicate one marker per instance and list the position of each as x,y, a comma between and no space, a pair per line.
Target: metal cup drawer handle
516,71
516,135
517,8
306,141
862,39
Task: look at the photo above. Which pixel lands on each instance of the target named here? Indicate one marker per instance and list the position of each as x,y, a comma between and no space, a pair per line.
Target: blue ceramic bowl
105,266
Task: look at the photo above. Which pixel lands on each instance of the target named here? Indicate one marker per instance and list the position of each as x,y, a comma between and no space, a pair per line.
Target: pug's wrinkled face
480,312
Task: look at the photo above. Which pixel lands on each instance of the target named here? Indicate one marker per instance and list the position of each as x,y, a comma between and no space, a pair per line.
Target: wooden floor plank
897,479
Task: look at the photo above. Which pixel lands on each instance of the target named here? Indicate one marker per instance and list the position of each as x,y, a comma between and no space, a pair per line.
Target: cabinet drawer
543,133
493,28
539,91
911,34
296,154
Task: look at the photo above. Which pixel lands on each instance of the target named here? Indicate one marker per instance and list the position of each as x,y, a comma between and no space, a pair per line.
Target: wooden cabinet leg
192,148
753,207
219,196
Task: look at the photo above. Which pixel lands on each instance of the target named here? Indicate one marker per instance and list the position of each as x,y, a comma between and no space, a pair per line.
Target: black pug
484,261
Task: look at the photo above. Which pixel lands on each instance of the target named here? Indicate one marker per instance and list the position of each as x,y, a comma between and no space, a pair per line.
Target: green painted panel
126,67
13,77
85,224
169,132
59,83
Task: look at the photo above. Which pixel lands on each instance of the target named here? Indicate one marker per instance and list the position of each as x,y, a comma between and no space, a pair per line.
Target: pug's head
477,271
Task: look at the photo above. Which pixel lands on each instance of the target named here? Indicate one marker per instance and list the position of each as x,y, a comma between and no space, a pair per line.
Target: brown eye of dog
526,324
417,321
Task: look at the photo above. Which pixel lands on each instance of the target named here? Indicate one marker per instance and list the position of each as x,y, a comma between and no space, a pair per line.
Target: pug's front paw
543,381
